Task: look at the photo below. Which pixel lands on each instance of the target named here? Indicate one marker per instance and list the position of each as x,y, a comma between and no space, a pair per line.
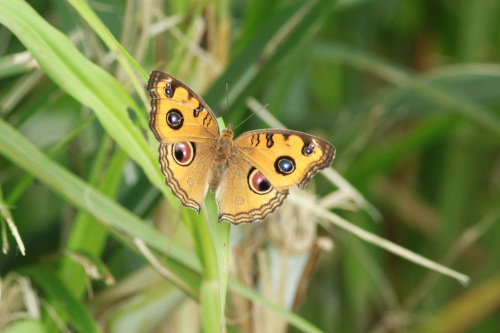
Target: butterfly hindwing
186,166
244,195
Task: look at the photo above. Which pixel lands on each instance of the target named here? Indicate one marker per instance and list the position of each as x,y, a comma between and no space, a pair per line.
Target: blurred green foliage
407,91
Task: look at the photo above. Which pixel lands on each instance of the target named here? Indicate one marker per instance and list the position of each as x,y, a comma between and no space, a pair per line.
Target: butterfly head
225,142
227,134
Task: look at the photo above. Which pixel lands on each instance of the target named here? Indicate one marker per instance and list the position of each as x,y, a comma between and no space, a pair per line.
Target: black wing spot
196,112
270,141
257,140
207,120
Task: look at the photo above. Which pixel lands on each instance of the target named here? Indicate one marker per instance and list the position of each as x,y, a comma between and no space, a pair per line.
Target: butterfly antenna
253,114
227,100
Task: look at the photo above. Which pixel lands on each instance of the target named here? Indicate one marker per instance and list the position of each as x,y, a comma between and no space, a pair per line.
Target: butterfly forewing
177,113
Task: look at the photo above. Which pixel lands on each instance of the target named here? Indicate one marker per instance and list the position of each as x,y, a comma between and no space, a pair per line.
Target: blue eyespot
174,119
308,150
168,90
284,165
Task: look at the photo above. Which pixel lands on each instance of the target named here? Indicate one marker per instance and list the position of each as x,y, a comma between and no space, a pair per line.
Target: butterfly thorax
222,154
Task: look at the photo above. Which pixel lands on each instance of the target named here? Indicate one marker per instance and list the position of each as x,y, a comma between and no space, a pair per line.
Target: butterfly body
222,161
251,174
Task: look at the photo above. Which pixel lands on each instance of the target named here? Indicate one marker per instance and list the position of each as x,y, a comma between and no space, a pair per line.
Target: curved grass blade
124,58
21,152
283,33
445,98
82,79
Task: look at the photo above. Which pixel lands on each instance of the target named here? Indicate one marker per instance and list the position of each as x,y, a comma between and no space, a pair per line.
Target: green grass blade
220,232
21,152
283,33
205,250
444,98
83,80
126,61
14,64
204,245
85,225
7,220
295,320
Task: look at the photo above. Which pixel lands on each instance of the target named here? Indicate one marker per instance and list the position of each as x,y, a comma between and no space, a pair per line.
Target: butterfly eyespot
174,119
239,201
190,182
308,150
168,90
284,165
258,182
183,154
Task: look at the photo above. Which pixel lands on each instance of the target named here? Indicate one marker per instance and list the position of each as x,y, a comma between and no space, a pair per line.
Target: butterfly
251,175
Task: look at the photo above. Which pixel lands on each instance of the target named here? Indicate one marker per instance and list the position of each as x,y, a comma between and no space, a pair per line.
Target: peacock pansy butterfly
251,175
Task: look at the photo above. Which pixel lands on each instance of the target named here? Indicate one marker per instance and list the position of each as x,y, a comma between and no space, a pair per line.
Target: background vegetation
407,91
